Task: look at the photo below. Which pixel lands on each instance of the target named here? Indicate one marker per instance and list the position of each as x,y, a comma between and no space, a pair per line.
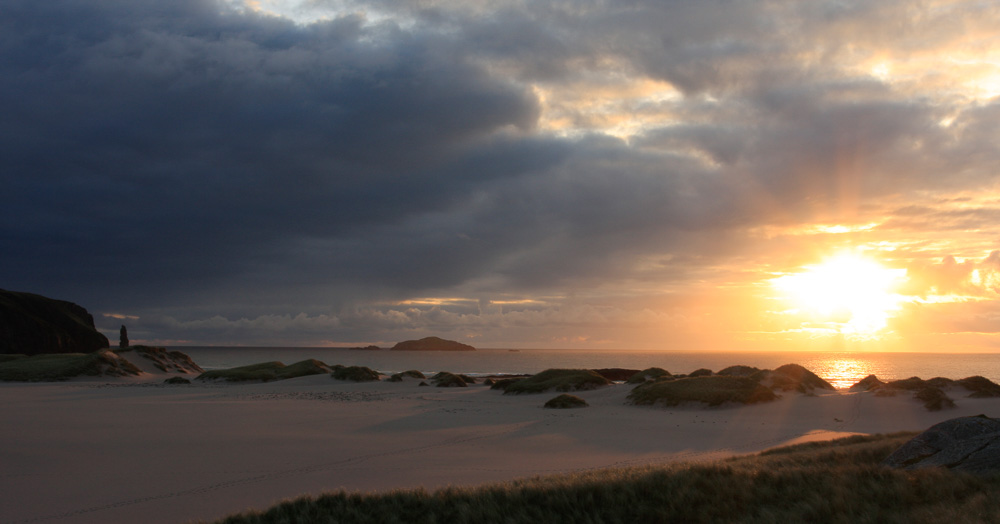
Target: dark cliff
32,324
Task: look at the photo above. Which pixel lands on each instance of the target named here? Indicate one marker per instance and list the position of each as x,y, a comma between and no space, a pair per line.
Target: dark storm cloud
176,144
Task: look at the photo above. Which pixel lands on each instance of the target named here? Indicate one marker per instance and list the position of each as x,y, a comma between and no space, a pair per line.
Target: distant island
432,344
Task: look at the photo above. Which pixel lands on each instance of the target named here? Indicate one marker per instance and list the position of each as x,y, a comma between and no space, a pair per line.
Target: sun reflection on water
842,373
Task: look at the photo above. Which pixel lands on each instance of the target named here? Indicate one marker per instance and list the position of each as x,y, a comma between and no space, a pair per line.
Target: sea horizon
840,368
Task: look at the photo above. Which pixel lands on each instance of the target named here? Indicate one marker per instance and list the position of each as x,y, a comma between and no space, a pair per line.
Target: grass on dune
838,481
557,379
64,366
566,401
647,374
267,371
713,390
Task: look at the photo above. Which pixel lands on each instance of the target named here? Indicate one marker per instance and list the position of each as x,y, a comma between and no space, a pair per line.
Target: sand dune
136,450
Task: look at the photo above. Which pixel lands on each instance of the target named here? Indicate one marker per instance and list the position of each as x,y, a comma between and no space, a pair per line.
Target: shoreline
136,449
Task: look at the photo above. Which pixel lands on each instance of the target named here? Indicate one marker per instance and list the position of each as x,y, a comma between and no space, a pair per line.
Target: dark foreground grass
839,482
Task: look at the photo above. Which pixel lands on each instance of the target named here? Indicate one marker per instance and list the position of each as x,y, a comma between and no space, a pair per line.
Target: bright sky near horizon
725,175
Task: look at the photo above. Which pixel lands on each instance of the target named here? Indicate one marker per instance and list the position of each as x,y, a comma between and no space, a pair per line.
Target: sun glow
848,293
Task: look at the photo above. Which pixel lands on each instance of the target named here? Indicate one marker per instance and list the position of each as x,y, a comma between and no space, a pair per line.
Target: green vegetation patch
9,357
177,380
355,373
648,374
266,371
64,366
838,481
559,380
566,401
713,390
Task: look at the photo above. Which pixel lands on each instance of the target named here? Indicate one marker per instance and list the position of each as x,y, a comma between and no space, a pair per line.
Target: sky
713,175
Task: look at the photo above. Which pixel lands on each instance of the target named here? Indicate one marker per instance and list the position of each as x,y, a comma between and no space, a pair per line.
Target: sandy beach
136,450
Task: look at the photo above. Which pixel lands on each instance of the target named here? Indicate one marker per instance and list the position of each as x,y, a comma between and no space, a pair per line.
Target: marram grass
837,482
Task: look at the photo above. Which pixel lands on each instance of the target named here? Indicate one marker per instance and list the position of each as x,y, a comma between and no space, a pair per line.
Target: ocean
840,369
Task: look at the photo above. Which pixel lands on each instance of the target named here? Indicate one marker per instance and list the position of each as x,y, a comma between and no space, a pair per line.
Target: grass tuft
566,401
557,379
934,398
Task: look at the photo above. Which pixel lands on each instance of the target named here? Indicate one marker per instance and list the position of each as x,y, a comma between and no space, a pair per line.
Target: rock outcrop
969,444
33,325
432,344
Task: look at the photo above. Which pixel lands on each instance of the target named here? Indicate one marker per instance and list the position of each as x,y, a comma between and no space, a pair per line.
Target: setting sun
849,293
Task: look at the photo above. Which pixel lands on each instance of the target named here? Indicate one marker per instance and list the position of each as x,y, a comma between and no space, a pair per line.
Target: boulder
432,344
35,325
968,444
